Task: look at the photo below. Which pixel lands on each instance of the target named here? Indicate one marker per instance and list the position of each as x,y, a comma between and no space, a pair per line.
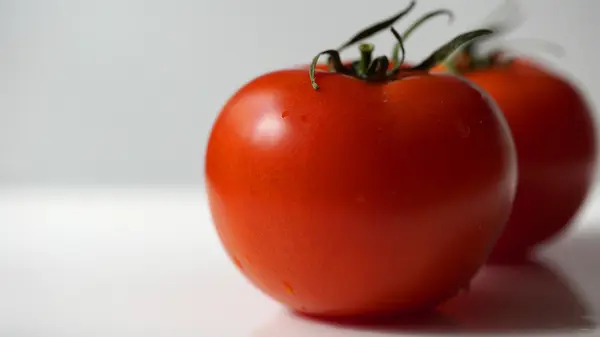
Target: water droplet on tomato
238,263
285,114
288,288
467,131
463,129
384,97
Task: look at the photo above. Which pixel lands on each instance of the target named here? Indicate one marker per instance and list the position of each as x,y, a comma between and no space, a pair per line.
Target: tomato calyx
376,70
387,23
367,68
472,58
468,60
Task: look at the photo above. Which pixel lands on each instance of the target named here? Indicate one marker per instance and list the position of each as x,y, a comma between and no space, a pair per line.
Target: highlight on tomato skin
365,190
554,131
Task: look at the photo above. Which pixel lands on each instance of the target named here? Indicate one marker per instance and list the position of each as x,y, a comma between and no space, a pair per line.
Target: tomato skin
359,198
555,138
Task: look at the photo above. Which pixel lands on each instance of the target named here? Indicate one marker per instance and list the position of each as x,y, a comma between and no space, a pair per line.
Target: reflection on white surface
532,298
148,263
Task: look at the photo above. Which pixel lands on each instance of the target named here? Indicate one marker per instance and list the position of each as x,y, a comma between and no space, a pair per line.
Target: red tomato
359,198
555,138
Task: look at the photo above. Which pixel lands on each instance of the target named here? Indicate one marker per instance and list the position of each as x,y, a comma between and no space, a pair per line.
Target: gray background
125,91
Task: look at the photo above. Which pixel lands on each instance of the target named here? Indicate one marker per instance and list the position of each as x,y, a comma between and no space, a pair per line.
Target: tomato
362,197
554,134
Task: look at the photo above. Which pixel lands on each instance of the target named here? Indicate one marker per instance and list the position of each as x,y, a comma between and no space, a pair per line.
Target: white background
125,91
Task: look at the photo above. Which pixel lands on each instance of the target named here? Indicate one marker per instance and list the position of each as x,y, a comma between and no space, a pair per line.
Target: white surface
122,263
125,91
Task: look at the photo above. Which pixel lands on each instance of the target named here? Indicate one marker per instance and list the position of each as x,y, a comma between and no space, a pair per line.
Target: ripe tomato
554,135
361,197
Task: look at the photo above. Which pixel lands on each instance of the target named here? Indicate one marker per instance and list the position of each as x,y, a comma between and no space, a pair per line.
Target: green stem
378,69
377,27
450,47
501,21
450,67
335,63
417,24
366,57
427,17
397,63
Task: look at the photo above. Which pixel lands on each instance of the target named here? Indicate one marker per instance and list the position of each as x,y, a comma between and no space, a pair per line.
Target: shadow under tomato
533,297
